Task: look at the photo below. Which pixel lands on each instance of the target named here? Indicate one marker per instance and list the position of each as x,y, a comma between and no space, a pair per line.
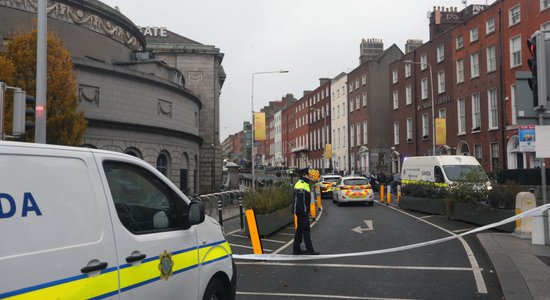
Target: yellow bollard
381,193
295,222
312,210
318,193
398,193
388,195
253,230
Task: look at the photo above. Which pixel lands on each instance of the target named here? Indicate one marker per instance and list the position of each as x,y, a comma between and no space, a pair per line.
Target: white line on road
247,247
357,266
286,295
292,240
462,230
284,233
266,240
480,283
234,231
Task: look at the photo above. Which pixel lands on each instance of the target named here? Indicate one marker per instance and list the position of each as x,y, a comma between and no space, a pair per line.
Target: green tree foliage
65,123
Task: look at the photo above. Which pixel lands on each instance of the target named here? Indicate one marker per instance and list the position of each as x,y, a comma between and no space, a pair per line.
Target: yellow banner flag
259,126
328,151
441,131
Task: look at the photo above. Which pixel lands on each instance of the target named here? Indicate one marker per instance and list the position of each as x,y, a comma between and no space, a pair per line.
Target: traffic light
30,112
532,63
539,49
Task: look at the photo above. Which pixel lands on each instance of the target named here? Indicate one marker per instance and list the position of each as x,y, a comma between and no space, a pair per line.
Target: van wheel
215,290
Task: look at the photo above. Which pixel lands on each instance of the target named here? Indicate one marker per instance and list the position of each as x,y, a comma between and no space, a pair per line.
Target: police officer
302,201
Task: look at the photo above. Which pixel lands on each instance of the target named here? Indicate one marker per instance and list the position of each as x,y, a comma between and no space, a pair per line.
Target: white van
442,170
79,223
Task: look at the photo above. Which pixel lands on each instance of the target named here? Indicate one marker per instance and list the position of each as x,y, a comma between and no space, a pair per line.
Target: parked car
353,189
327,184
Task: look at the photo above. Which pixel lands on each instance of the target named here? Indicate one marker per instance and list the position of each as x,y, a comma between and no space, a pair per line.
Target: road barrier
283,257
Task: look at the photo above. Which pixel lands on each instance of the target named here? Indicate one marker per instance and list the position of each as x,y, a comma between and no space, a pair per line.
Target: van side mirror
196,213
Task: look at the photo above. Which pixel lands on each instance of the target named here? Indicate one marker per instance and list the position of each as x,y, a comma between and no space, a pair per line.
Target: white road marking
316,296
234,231
462,230
247,247
426,217
292,240
264,263
480,283
284,233
360,230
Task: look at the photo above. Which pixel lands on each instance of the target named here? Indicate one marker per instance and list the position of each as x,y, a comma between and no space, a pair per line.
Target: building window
395,100
494,157
423,62
515,51
476,113
425,126
363,79
478,154
351,105
409,130
491,59
394,76
461,116
440,53
441,82
352,135
514,106
544,4
351,87
474,65
443,113
514,15
408,69
492,104
459,42
459,71
408,95
358,131
162,164
396,133
364,99
357,83
424,88
473,35
365,135
490,26
357,102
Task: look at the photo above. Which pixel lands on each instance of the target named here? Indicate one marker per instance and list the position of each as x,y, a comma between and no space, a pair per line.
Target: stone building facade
139,107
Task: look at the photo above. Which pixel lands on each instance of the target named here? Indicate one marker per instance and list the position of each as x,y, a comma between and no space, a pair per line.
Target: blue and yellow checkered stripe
106,283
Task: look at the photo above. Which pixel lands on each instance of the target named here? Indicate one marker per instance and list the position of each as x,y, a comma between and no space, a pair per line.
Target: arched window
162,164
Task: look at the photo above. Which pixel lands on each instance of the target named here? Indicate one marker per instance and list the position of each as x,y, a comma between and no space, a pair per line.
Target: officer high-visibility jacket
302,198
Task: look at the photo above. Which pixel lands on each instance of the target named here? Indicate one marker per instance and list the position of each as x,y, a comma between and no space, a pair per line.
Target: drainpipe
502,91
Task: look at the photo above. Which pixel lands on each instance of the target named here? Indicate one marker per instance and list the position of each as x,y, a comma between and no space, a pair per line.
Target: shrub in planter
504,196
424,190
268,200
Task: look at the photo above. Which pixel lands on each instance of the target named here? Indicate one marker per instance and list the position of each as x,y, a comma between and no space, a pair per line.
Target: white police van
79,223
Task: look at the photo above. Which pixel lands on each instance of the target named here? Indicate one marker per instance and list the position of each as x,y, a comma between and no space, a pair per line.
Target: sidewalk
523,269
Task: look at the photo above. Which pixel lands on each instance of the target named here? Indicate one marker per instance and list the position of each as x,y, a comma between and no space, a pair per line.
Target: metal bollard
241,212
220,211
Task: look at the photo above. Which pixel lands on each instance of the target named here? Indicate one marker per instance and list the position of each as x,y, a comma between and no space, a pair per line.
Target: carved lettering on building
194,76
442,100
154,31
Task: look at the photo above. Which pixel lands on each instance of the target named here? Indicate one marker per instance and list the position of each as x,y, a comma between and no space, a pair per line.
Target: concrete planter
272,222
481,215
431,206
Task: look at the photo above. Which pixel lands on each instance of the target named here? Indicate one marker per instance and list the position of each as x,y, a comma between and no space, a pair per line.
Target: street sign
527,138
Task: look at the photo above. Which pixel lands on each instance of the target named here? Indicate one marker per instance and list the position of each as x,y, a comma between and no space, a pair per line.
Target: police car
81,223
351,189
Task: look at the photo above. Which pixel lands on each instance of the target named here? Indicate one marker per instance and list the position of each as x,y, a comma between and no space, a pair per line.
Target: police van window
143,202
438,175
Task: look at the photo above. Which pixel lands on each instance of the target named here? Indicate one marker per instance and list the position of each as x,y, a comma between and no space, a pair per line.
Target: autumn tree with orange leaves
65,124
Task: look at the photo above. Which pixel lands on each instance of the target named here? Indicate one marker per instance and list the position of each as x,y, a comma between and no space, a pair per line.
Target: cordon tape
284,257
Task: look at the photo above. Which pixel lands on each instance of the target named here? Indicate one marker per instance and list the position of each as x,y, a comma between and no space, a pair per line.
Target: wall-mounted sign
526,138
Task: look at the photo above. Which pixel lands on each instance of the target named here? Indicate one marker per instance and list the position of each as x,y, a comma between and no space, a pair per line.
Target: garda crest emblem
165,265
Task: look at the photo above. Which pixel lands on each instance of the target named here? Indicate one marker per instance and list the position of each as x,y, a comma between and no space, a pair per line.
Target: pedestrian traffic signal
532,63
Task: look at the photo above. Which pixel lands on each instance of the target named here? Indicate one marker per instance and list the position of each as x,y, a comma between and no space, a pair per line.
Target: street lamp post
433,101
325,134
252,123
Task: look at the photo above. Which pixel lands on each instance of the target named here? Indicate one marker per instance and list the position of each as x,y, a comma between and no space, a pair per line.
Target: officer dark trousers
302,200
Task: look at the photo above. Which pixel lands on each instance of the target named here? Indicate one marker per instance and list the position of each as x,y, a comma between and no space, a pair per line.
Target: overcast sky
311,39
